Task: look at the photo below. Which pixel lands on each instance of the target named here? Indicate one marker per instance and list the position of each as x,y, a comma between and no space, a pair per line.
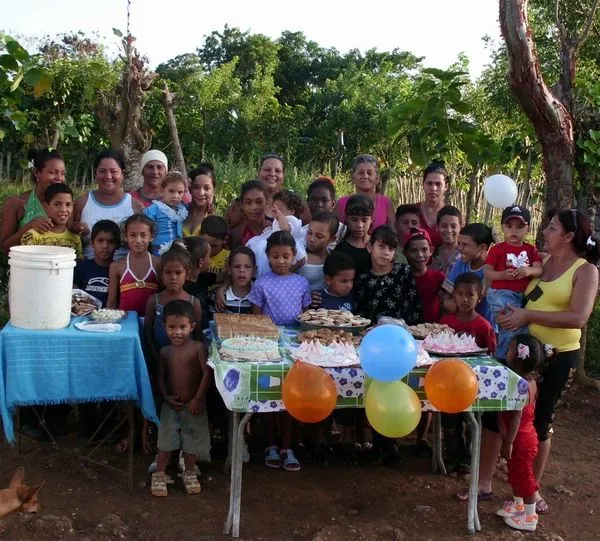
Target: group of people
163,252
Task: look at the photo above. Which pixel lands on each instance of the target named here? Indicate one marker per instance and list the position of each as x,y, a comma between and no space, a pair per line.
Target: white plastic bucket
39,291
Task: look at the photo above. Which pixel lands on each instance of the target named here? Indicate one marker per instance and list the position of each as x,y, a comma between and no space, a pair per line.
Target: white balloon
500,191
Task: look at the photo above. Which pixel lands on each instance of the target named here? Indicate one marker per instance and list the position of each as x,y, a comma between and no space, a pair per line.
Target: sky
437,29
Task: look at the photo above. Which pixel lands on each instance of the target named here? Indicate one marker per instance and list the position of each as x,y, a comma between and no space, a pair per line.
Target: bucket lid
42,252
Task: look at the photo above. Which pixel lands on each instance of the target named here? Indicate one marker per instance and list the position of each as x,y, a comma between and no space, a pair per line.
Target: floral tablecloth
256,387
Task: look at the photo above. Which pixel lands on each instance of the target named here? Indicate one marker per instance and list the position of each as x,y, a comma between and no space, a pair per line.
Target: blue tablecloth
71,366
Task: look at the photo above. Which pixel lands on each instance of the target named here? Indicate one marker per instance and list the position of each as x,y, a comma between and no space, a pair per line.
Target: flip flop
541,507
481,496
272,458
290,462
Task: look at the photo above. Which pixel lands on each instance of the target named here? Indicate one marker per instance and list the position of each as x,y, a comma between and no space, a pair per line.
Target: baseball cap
516,211
416,233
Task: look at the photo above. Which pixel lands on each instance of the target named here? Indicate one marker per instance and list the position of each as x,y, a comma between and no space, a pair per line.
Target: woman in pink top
365,176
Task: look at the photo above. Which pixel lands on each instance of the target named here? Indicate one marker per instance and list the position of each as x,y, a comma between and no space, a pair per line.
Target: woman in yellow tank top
557,306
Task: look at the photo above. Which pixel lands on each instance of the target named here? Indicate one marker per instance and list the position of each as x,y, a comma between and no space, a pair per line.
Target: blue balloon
388,353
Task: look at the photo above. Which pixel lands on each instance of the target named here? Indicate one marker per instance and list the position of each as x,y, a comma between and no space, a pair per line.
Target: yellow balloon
393,408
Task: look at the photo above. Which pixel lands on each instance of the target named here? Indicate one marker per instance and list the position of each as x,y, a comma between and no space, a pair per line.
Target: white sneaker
511,508
152,467
523,522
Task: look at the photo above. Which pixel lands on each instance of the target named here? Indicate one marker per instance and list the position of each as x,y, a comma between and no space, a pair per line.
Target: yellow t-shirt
67,239
556,297
218,262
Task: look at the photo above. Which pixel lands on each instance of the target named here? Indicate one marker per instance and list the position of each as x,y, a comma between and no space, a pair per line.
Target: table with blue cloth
64,366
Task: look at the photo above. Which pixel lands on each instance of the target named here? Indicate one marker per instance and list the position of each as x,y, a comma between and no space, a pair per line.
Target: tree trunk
550,117
169,106
471,195
120,114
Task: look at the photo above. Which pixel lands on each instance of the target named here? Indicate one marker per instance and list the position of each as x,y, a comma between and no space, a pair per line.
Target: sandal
191,483
481,496
290,462
159,484
272,458
541,507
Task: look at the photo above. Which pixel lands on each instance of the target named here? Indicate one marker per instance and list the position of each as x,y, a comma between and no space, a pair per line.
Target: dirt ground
370,503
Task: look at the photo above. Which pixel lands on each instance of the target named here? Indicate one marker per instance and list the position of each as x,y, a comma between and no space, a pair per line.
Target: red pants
520,467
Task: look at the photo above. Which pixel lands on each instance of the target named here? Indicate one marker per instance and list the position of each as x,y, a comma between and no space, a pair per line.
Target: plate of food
327,336
423,330
105,315
334,356
83,304
332,319
450,344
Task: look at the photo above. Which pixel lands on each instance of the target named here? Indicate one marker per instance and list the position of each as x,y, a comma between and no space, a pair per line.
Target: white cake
249,348
335,355
445,342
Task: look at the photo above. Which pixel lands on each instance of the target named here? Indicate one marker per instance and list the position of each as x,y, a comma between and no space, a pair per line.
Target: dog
18,496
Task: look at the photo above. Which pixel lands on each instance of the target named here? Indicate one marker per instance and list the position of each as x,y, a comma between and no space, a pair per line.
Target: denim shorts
498,300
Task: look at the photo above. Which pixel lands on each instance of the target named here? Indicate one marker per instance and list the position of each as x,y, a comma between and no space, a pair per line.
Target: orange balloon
451,385
309,393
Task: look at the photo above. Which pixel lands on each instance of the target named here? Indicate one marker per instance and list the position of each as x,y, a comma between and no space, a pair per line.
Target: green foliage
592,351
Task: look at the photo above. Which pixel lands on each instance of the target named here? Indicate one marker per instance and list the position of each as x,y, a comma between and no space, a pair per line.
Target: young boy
184,379
216,231
199,249
407,217
359,215
91,275
468,290
58,204
339,271
321,198
319,237
449,222
417,247
509,266
241,268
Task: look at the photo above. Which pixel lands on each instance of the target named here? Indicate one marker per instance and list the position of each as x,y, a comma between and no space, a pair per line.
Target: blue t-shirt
459,268
335,302
92,278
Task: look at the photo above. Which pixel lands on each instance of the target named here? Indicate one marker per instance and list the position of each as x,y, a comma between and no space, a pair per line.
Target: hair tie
591,242
522,351
549,349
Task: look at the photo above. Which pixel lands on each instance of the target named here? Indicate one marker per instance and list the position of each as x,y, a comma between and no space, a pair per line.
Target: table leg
18,425
237,475
473,523
227,465
438,455
234,423
131,419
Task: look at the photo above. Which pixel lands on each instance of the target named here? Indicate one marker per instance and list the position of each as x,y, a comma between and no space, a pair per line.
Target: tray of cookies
423,330
332,319
328,336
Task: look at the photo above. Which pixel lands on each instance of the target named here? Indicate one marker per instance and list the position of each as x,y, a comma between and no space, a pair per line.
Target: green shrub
592,350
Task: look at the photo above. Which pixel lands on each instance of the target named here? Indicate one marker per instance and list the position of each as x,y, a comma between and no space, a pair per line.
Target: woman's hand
512,318
81,229
41,225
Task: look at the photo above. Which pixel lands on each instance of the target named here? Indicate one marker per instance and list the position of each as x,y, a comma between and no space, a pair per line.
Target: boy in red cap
509,267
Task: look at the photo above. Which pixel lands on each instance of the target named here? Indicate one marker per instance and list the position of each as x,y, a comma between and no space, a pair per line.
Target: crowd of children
183,264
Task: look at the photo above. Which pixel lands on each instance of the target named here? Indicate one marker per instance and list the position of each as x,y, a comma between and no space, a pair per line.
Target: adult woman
109,201
154,168
203,183
25,211
365,177
558,305
271,173
435,186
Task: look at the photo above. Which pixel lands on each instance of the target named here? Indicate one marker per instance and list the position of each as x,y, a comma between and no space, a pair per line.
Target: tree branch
578,41
561,27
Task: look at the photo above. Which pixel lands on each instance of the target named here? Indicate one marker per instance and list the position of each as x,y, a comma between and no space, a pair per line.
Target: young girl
286,205
283,296
359,215
169,213
417,247
175,267
253,198
240,269
520,442
474,241
202,189
449,222
321,233
199,250
133,280
365,176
